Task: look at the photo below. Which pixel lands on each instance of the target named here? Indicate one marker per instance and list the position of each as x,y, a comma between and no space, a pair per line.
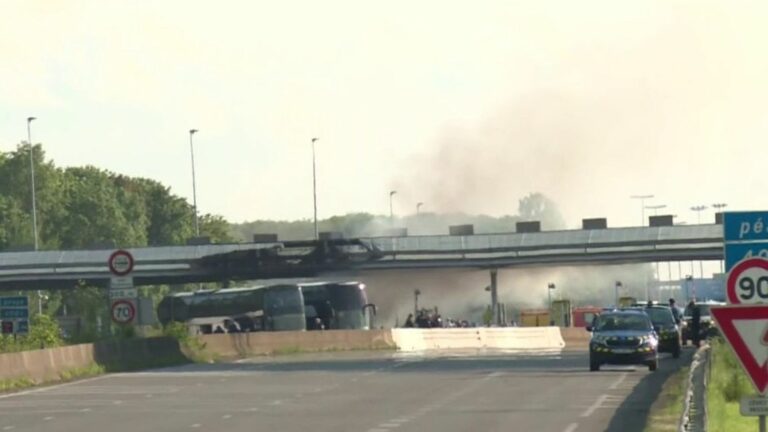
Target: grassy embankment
728,384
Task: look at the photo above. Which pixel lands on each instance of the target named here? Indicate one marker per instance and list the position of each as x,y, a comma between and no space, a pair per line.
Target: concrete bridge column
495,297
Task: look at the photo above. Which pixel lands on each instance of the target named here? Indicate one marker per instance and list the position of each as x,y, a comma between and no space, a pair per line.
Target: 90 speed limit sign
748,282
123,311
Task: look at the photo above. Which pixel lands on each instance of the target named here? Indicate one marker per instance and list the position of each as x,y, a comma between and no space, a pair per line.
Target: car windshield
617,322
660,316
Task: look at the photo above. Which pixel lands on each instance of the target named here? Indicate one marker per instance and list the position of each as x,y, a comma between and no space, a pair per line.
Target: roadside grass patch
668,407
727,385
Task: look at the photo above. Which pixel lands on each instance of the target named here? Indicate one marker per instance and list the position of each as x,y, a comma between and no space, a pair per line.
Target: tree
537,207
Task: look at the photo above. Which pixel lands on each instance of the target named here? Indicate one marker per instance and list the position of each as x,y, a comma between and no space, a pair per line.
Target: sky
465,106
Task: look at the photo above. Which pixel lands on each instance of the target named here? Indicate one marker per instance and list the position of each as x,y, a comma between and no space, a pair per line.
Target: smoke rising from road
460,293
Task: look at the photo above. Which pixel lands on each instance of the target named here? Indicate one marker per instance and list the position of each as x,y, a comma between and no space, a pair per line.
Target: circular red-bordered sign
748,282
123,311
120,262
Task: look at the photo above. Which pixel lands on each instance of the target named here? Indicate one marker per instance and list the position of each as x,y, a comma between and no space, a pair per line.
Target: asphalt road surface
355,392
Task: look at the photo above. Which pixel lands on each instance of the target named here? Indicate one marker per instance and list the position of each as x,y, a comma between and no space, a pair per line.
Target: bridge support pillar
495,297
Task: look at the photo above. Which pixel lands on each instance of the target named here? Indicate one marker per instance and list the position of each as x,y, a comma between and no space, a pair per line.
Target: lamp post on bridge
618,285
314,186
418,207
642,199
391,212
698,209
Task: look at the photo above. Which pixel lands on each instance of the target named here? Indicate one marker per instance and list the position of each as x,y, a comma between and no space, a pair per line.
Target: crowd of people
432,319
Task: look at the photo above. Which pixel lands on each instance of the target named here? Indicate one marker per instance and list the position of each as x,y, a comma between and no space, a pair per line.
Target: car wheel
652,366
594,366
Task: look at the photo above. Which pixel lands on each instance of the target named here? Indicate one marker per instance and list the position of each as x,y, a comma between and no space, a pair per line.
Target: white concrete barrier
519,338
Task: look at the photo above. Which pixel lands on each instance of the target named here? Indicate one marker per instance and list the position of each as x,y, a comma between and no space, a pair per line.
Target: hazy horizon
466,109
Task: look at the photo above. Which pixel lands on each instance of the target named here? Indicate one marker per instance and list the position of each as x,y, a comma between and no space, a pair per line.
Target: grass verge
21,383
727,385
668,407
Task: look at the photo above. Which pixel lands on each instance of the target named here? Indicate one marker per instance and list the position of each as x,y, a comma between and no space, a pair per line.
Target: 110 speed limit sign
748,282
123,311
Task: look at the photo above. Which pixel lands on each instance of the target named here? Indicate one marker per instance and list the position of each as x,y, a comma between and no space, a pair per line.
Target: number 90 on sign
748,282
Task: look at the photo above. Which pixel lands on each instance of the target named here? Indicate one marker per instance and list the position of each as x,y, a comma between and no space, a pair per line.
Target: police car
623,336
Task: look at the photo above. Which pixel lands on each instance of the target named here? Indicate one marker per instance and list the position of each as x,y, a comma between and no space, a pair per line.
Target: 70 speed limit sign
123,311
748,282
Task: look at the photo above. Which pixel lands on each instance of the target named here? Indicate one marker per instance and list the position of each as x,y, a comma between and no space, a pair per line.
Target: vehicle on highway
707,326
337,305
623,336
668,330
285,306
259,308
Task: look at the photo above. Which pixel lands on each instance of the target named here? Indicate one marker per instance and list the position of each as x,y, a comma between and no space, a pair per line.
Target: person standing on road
675,311
695,323
409,321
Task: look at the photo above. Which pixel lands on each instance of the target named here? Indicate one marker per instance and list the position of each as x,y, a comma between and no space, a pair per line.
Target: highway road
355,392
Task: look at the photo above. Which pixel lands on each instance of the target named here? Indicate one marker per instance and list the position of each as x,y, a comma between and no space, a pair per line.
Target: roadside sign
745,226
10,314
746,330
123,293
745,236
754,406
120,262
14,302
123,311
747,282
14,314
120,282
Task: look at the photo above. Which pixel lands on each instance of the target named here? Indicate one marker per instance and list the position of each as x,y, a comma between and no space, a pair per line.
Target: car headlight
649,341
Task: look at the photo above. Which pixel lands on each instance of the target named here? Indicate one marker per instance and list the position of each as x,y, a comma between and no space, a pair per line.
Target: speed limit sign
123,311
748,282
120,262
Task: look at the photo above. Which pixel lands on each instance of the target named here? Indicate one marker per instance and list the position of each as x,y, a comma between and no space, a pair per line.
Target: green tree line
86,207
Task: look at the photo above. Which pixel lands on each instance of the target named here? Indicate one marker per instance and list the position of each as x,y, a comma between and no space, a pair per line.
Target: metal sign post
122,293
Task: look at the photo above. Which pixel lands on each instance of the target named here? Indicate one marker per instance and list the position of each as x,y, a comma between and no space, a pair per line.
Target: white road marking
85,410
389,425
196,425
571,427
378,430
54,387
595,406
226,416
8,427
117,402
49,418
400,420
618,382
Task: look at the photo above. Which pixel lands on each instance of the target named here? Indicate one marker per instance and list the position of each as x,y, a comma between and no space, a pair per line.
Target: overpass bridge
292,259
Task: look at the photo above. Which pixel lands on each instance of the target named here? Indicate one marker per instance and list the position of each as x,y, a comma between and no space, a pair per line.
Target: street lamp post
642,199
656,208
34,201
32,179
616,288
314,186
418,207
192,132
698,209
391,212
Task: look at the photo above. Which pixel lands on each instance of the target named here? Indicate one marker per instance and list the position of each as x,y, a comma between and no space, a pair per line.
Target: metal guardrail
694,417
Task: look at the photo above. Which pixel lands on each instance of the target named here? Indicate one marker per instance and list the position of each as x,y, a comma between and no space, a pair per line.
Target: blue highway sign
14,313
14,302
745,226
